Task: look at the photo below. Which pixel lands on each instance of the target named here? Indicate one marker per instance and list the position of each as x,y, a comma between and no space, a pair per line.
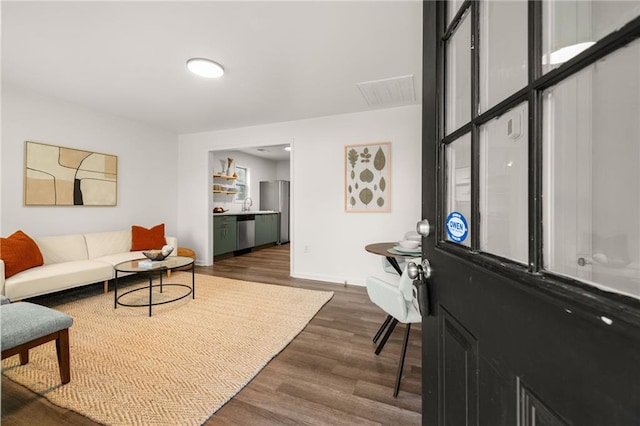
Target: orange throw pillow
19,252
147,239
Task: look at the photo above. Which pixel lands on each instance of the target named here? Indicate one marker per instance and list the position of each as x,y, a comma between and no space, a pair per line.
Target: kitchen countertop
243,213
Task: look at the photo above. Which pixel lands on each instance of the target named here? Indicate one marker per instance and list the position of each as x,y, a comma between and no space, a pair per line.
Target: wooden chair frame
62,350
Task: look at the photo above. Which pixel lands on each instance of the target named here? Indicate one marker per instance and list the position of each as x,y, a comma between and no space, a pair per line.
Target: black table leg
394,263
151,289
115,292
193,280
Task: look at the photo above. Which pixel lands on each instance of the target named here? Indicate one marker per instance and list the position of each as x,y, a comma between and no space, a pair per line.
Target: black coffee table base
150,287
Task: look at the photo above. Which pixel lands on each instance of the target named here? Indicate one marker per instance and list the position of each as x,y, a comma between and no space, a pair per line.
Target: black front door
531,184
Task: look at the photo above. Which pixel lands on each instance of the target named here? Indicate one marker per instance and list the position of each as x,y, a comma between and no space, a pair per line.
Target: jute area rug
177,367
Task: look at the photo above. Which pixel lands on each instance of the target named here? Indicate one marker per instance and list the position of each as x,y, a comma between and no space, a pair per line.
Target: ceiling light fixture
205,68
287,148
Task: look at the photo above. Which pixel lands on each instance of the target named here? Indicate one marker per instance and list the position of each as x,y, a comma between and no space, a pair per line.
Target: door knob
412,270
420,272
423,228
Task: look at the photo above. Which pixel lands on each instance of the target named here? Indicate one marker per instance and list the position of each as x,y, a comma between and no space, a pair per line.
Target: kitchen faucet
244,204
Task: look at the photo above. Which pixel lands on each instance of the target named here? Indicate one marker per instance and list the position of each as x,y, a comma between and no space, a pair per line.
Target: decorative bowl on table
409,244
413,236
158,255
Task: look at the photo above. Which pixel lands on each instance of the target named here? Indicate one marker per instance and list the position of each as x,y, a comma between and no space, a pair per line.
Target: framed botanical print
367,177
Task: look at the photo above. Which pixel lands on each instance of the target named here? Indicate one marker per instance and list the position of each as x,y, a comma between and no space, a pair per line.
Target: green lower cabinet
224,234
266,229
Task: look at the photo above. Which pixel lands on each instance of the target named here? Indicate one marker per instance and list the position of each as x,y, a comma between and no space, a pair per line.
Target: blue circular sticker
457,228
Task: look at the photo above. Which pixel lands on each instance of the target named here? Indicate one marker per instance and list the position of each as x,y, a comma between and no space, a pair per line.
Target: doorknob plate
426,268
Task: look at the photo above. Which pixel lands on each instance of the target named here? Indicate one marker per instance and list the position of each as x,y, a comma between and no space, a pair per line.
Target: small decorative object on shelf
157,255
230,171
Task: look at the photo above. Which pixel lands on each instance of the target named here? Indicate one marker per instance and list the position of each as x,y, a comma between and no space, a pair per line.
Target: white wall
147,175
327,243
283,171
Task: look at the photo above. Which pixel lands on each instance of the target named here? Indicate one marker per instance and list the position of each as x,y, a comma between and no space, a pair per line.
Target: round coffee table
170,263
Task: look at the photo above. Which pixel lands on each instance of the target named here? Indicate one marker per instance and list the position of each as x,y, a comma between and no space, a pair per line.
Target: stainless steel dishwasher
246,231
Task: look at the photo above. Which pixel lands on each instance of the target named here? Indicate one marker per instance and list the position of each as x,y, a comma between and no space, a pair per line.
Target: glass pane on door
503,50
458,213
571,26
592,173
452,9
458,76
504,191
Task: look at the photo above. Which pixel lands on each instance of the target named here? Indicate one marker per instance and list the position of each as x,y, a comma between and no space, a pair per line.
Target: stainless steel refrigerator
274,195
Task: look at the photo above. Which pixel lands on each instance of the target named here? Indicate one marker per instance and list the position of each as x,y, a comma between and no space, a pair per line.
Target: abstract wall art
368,178
59,176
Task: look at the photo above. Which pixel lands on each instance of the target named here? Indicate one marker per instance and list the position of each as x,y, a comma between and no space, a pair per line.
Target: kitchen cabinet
266,229
224,234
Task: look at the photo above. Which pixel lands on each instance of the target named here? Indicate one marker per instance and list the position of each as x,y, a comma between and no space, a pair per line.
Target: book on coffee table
149,263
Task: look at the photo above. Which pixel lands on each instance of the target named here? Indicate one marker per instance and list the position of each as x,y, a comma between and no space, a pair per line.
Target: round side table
186,252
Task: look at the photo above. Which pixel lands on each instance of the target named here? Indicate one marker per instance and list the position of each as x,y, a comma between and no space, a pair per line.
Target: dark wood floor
328,375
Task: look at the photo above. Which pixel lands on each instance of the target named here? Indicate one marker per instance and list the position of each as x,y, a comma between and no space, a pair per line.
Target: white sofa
72,261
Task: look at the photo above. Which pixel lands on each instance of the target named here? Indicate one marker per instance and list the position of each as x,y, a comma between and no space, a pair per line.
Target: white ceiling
271,152
284,60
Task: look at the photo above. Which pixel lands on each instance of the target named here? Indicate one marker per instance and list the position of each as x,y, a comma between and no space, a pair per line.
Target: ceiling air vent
387,92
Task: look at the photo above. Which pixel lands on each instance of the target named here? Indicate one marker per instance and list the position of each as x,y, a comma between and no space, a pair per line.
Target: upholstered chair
24,325
396,296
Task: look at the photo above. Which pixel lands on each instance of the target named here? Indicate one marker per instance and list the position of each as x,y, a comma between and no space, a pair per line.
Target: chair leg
386,336
62,350
382,327
396,389
24,356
